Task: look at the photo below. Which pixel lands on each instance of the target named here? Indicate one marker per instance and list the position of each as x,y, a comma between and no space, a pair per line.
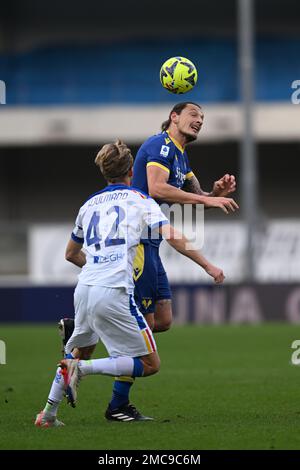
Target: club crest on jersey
146,302
164,151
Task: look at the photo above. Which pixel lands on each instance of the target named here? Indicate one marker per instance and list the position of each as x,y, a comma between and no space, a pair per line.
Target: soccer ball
178,75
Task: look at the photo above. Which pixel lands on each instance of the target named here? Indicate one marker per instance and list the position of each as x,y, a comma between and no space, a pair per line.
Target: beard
189,137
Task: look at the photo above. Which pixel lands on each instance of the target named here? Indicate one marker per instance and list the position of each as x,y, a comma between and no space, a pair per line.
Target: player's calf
162,316
66,328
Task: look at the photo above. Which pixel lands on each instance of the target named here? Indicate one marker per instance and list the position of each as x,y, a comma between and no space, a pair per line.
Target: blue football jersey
163,151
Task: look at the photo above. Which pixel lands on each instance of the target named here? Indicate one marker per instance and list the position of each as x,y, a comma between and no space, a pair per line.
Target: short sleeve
159,154
77,234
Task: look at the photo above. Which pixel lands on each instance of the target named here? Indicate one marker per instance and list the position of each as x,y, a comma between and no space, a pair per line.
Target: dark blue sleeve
159,154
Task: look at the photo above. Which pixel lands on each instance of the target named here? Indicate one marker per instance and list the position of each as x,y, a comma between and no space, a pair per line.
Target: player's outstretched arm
160,189
178,241
192,185
74,253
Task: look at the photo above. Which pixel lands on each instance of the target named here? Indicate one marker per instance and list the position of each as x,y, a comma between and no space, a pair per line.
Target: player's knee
165,324
151,370
155,368
151,365
156,364
162,324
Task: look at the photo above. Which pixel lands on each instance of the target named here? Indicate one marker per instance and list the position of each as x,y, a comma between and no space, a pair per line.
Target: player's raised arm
74,253
160,189
221,188
192,185
178,241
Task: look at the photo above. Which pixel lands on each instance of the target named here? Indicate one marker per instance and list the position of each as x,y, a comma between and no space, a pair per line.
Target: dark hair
114,161
176,109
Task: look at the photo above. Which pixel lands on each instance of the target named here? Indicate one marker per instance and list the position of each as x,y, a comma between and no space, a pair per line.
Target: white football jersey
110,226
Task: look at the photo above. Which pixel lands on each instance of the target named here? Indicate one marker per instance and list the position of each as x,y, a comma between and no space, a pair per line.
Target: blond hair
114,161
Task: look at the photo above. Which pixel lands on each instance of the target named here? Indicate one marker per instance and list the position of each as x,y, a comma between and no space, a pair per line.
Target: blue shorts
151,281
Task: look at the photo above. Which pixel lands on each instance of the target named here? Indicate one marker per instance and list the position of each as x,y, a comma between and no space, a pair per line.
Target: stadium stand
65,74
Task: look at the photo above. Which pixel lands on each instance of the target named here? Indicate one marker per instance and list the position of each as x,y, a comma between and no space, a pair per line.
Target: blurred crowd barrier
128,72
44,293
35,255
192,303
277,254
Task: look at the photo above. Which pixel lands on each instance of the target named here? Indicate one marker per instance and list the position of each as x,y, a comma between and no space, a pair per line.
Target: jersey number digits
94,237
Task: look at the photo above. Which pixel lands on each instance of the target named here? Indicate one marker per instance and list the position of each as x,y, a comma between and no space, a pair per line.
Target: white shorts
111,315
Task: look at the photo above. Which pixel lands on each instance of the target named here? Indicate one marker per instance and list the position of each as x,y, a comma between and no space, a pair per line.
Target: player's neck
177,137
124,181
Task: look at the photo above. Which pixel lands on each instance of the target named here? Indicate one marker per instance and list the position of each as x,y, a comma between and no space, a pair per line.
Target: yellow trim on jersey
138,262
125,378
159,166
177,144
189,175
147,341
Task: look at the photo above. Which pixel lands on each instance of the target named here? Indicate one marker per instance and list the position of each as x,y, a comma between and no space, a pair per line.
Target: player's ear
174,117
130,173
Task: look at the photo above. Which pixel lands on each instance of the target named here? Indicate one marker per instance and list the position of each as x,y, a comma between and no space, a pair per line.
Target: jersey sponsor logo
180,177
108,259
164,151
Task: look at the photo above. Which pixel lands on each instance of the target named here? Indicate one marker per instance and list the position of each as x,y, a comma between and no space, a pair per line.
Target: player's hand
224,203
224,186
216,273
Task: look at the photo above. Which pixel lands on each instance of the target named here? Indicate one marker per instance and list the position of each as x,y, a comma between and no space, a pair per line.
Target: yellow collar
177,144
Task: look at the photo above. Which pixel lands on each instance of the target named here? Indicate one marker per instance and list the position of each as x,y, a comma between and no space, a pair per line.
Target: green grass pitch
220,387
